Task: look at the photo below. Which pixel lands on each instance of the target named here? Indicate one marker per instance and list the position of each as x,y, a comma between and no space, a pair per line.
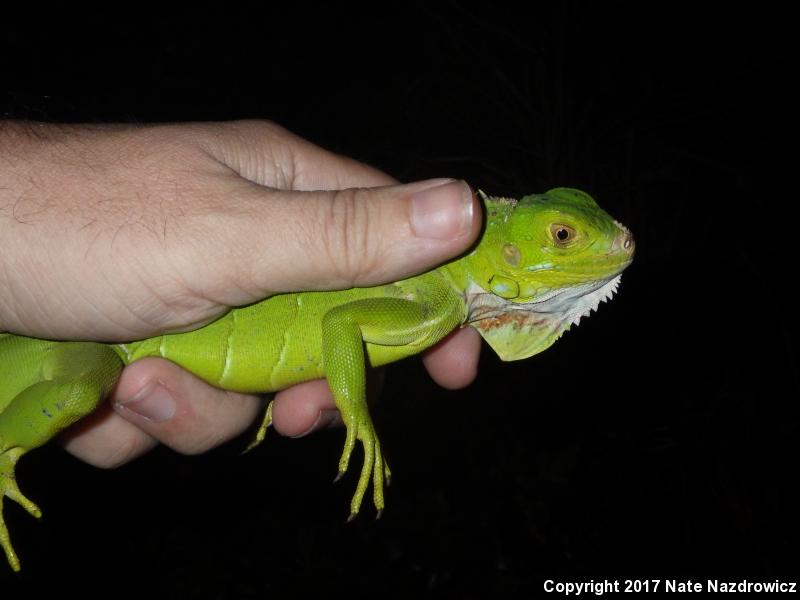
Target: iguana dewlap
542,263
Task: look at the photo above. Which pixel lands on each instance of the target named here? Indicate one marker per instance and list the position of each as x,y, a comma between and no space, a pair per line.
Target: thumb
354,237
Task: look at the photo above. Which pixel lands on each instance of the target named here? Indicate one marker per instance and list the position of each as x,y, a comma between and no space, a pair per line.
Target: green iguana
542,263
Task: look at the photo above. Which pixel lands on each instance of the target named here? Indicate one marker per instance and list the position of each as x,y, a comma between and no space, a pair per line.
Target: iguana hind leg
73,377
384,322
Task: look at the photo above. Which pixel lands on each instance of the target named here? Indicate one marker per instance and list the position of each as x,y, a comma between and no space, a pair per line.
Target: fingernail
442,211
325,418
153,402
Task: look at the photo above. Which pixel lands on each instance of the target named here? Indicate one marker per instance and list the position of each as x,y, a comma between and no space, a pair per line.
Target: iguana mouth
567,305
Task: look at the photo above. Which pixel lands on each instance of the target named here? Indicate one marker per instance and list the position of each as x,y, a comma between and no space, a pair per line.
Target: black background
657,440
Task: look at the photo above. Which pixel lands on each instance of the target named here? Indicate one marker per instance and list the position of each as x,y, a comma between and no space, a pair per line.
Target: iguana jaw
517,330
571,304
566,305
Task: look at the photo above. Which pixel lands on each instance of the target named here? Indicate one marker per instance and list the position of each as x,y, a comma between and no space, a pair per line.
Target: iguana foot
262,430
8,487
374,467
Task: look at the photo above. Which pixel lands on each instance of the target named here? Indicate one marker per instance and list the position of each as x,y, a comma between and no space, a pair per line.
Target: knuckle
260,127
220,416
348,235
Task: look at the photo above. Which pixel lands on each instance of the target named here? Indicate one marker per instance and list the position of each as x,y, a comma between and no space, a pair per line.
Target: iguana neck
484,265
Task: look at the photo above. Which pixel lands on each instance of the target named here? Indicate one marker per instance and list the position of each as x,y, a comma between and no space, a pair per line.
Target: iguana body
541,264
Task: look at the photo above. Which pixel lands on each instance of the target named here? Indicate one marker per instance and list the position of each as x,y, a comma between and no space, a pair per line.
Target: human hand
122,232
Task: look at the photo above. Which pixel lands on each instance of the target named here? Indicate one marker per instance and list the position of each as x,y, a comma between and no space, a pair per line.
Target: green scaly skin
542,263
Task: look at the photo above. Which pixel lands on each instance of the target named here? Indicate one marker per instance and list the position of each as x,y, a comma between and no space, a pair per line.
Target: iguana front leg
54,384
378,322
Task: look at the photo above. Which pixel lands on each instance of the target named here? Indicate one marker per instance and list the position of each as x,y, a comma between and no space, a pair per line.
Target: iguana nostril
624,241
628,243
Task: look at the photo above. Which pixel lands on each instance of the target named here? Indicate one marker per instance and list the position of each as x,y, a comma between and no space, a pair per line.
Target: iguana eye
562,234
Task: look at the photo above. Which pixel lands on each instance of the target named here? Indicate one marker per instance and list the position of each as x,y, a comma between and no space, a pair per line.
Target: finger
276,241
180,410
304,408
453,362
106,440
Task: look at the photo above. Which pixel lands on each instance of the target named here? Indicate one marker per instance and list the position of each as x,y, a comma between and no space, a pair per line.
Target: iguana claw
8,487
374,467
262,429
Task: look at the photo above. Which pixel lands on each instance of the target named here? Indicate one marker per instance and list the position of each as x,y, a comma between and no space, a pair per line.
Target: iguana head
543,262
